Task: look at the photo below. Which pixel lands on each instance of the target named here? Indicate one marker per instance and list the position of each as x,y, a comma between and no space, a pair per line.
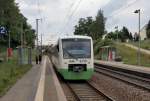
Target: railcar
73,57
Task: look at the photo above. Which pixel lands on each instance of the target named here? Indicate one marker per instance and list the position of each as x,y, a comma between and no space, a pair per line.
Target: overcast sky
60,16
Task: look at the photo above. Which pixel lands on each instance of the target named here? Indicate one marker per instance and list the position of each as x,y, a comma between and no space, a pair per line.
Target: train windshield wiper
70,54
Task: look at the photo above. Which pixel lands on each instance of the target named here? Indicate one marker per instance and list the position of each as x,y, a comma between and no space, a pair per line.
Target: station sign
3,30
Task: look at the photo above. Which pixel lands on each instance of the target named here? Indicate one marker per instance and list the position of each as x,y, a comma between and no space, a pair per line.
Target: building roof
75,36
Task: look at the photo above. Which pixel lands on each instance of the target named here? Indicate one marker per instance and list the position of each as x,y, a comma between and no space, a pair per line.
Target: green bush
129,55
10,72
145,44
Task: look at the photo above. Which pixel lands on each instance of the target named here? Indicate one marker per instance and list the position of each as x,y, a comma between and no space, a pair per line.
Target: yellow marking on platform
60,94
40,91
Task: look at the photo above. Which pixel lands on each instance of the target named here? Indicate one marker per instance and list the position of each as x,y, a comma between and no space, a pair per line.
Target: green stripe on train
70,75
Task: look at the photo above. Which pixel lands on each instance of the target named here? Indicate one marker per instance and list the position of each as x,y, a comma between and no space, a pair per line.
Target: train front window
76,48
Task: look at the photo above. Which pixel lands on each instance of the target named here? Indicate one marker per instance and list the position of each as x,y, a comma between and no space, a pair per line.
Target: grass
145,44
10,72
2,48
129,56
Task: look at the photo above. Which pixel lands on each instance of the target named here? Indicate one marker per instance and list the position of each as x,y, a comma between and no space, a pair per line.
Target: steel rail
97,93
142,83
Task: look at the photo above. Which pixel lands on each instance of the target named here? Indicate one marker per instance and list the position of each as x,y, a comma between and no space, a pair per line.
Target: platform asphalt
124,66
53,89
39,84
25,88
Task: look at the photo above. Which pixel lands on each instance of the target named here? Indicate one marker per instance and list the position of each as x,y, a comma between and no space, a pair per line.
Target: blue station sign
3,30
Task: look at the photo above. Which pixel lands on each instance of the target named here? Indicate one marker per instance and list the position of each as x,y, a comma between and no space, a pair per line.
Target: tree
136,37
111,35
99,24
15,22
94,28
130,36
81,28
148,30
124,35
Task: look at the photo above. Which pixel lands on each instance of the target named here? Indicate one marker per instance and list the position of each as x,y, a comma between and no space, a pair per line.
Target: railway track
87,92
127,77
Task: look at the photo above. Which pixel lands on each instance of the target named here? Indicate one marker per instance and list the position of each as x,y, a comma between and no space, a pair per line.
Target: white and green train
73,57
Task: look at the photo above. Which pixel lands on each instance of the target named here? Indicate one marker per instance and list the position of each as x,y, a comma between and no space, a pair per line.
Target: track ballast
87,92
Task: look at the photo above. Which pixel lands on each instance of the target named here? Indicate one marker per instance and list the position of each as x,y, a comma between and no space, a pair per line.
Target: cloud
125,16
55,14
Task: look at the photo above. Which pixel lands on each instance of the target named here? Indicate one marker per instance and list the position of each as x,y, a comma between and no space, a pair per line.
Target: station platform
124,66
52,88
25,88
38,84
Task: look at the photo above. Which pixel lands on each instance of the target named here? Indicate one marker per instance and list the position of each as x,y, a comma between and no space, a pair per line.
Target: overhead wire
68,14
70,8
120,10
109,17
72,13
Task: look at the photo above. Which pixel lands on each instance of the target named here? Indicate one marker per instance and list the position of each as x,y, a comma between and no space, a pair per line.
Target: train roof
75,36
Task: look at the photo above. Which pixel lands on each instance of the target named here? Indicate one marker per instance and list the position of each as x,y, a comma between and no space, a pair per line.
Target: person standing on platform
40,58
36,59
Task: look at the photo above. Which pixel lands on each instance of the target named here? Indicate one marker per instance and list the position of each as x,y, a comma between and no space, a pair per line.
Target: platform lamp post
9,50
21,42
117,34
41,42
139,45
9,39
117,30
37,32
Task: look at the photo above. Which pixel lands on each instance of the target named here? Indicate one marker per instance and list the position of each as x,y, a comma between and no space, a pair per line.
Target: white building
143,32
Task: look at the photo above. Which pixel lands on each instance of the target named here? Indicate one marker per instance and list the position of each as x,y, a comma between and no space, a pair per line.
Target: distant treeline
16,23
95,27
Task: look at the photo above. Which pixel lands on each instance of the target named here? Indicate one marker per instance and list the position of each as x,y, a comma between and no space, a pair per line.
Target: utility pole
117,39
21,60
41,40
117,34
9,39
41,43
37,32
139,45
21,36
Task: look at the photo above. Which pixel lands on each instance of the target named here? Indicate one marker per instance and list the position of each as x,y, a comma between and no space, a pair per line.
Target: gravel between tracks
119,90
